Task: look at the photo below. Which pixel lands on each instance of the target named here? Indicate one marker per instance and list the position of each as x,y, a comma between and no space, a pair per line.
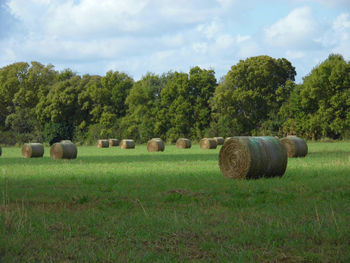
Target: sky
141,36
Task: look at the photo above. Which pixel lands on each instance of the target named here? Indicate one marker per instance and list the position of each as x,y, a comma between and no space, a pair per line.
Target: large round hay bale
253,157
208,143
183,143
102,143
32,150
155,145
295,146
113,142
219,140
63,150
127,144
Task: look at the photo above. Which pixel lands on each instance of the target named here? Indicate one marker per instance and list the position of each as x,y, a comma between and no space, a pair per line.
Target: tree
324,99
251,93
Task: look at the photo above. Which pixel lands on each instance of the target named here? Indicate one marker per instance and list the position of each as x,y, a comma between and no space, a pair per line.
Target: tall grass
114,205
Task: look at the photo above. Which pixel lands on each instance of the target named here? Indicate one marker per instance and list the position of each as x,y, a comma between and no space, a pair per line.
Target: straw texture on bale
219,140
65,141
63,150
183,143
113,142
295,146
127,144
155,145
208,143
102,143
252,158
32,150
228,138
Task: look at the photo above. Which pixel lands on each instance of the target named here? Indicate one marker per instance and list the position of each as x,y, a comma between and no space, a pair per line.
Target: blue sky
140,36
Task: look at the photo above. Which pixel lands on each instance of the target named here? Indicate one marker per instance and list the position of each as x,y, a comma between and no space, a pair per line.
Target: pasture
115,205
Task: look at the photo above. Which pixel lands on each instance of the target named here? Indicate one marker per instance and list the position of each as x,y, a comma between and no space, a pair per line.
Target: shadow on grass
116,159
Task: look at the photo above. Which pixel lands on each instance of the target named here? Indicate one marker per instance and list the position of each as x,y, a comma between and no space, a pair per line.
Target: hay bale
295,146
208,143
63,150
252,157
155,145
65,141
32,150
183,143
102,143
219,140
113,142
127,144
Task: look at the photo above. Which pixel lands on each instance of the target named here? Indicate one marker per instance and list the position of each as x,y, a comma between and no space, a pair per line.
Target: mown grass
114,205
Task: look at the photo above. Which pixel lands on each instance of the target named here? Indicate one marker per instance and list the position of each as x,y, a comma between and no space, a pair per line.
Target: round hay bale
113,142
183,143
127,144
32,150
65,141
63,150
102,143
295,146
253,157
219,140
155,145
208,143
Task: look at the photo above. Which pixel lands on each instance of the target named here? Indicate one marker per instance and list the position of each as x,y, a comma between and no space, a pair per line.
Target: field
114,205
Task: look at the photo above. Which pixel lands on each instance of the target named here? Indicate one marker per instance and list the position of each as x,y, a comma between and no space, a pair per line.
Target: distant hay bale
295,146
127,144
102,143
155,145
113,142
183,143
32,150
219,140
252,158
63,150
208,143
65,141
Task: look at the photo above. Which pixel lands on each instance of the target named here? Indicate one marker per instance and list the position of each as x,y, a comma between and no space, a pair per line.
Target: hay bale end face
219,140
208,143
183,143
127,144
32,150
252,158
295,146
113,142
62,150
102,143
155,145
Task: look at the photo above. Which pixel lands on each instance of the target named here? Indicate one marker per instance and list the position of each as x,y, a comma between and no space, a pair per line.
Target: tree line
257,96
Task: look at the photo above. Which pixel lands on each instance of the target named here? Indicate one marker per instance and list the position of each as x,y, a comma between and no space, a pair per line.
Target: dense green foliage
114,205
258,96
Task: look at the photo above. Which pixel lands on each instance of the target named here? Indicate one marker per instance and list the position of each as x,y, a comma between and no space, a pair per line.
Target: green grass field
114,205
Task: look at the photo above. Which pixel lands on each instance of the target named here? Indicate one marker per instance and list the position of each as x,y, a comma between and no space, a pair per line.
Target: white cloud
297,29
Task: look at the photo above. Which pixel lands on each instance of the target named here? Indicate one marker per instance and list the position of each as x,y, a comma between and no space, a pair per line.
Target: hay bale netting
113,142
219,140
32,150
253,157
183,143
102,143
155,145
127,144
295,146
63,150
208,143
